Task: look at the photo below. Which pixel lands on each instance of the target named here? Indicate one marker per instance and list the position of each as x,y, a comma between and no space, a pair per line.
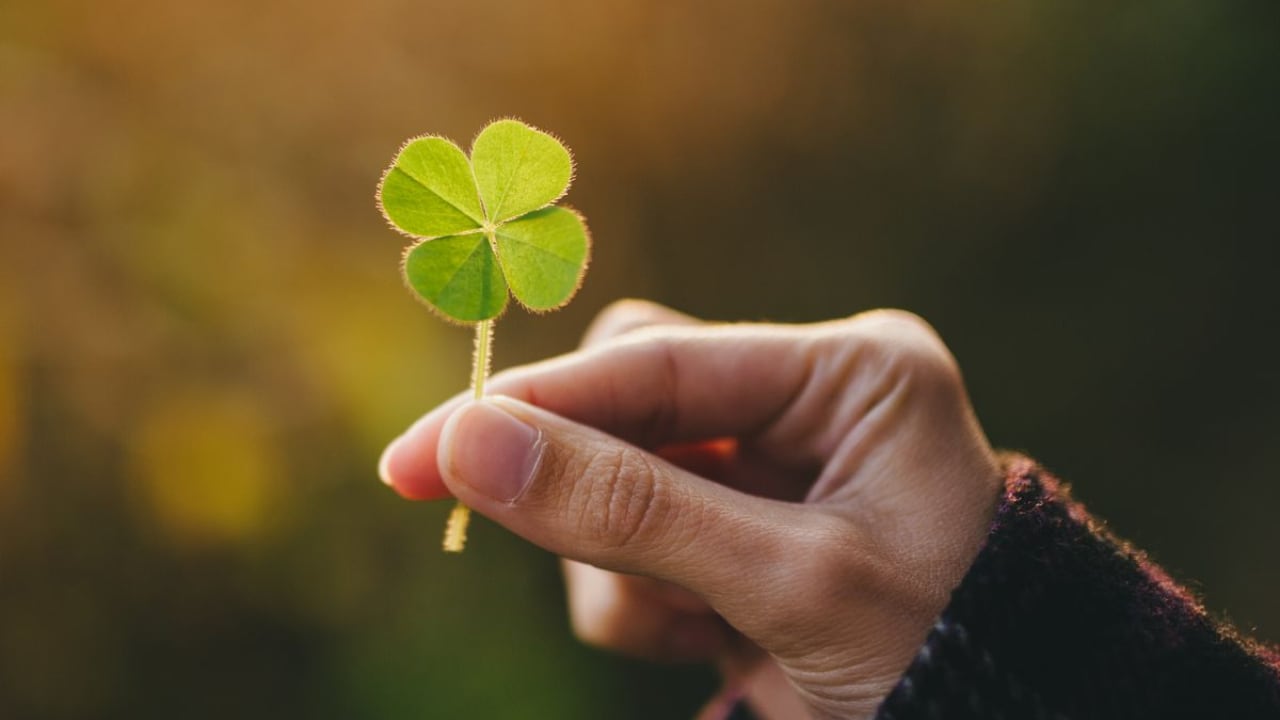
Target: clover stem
455,531
480,362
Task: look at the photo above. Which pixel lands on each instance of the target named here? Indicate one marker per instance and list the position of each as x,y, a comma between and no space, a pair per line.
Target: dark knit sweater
1057,618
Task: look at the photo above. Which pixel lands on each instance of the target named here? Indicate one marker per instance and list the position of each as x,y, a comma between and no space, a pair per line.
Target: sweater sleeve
1057,618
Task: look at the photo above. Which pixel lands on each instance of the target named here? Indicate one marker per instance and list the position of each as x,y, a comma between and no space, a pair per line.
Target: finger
585,495
641,617
413,468
676,385
625,316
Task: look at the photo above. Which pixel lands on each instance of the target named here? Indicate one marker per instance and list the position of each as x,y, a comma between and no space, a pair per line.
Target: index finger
651,387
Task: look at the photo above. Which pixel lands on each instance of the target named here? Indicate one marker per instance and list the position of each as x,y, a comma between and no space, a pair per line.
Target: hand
844,489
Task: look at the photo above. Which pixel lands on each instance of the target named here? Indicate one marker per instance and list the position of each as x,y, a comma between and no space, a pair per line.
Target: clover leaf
484,228
485,225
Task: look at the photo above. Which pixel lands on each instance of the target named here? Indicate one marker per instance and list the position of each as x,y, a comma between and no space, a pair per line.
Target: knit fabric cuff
1057,618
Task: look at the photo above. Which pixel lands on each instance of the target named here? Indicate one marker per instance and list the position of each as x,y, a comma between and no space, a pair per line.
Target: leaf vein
447,201
567,261
502,198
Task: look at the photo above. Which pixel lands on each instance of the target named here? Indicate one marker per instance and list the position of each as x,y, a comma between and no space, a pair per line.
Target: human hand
846,487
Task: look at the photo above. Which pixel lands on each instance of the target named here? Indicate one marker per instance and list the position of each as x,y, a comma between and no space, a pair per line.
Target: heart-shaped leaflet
485,225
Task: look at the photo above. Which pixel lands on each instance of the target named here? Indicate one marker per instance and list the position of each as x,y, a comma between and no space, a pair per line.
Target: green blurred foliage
204,342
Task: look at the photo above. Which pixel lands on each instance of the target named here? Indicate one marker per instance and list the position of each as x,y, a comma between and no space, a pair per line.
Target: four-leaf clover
486,224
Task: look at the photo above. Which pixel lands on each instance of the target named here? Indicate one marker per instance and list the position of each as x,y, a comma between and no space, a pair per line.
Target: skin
792,502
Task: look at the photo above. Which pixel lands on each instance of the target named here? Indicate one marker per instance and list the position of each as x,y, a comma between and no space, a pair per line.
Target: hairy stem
455,531
480,361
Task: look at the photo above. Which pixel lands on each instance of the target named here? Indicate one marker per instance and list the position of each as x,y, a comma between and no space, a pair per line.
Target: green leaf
544,256
518,169
458,275
429,190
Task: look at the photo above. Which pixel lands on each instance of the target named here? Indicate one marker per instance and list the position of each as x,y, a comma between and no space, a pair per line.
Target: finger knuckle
625,309
624,504
622,316
908,347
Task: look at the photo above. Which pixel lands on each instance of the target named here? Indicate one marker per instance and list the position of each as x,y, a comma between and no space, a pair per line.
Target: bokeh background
204,343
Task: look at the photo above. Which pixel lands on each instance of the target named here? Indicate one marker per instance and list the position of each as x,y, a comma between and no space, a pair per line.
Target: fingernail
490,450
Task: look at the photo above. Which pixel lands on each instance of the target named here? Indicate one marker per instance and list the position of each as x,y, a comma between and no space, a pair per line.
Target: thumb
588,496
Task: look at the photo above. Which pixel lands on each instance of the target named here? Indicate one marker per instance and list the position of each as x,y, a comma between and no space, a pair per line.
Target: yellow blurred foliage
379,357
204,467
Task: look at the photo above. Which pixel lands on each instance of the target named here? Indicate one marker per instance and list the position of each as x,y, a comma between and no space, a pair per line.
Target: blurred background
204,341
